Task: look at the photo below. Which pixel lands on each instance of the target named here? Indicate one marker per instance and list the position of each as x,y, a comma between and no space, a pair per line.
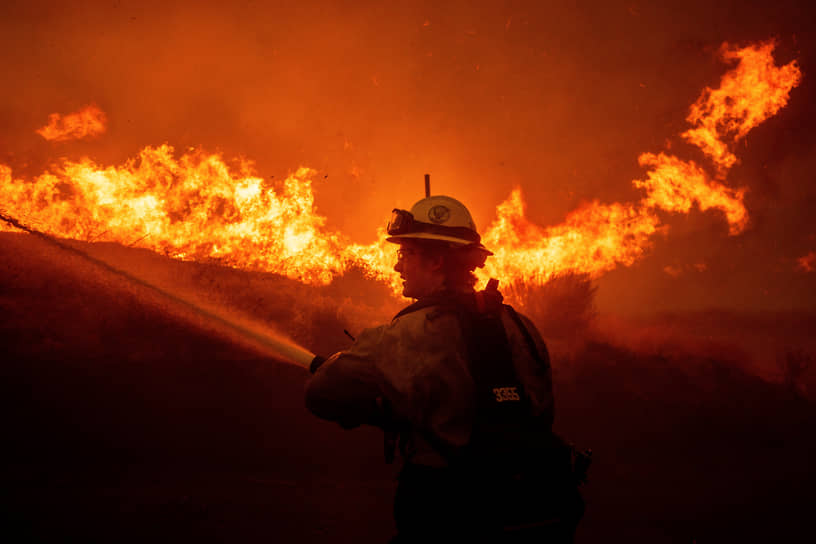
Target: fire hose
286,351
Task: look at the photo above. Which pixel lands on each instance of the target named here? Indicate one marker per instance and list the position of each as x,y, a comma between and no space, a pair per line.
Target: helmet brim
399,238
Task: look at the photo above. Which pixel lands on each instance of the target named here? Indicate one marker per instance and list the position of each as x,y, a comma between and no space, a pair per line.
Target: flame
192,208
598,237
750,93
675,185
593,239
197,207
87,122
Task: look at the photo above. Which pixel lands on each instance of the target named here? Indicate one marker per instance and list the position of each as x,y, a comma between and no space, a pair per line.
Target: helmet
440,218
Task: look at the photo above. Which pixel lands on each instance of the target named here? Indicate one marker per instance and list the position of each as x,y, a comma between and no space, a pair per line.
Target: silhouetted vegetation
563,309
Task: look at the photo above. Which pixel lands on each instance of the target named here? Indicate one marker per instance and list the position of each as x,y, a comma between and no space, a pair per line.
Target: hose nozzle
316,363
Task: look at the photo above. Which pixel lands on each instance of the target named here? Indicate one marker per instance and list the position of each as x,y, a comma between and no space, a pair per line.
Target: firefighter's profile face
419,272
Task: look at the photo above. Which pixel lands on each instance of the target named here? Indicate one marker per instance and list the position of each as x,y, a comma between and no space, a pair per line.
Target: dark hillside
688,449
123,420
127,418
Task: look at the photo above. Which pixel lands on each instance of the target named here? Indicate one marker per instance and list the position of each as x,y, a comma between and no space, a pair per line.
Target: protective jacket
416,374
466,382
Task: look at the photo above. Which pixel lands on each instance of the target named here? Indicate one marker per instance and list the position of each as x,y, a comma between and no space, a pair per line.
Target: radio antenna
427,185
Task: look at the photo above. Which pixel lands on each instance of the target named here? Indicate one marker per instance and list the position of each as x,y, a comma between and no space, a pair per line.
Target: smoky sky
557,99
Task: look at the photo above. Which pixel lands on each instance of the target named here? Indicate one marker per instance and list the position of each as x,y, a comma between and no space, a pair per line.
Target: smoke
778,347
563,309
775,346
557,99
312,316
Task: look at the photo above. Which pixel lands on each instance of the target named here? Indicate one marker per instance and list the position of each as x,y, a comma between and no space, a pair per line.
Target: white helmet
439,218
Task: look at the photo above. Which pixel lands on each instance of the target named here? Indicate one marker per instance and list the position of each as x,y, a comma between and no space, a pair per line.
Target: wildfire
676,185
750,93
594,239
89,121
192,208
598,237
196,207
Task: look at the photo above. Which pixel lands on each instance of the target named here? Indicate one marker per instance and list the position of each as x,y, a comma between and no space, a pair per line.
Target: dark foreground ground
125,418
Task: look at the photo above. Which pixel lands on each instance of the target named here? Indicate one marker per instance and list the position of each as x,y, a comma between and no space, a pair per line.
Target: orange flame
89,121
598,237
593,239
196,207
675,185
750,93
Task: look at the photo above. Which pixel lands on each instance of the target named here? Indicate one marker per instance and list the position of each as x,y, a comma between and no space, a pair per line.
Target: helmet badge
439,214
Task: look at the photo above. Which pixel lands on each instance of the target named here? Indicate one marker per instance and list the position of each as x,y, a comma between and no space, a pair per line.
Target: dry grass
563,309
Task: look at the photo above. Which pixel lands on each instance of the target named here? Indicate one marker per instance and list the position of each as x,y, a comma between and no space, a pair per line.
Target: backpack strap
528,338
501,396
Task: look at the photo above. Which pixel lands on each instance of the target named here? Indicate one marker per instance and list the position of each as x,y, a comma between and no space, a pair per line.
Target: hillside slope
126,417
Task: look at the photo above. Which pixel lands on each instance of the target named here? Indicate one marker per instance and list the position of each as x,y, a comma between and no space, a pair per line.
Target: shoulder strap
528,338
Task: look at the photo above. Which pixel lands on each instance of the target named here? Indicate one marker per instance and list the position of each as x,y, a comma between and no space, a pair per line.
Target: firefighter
462,383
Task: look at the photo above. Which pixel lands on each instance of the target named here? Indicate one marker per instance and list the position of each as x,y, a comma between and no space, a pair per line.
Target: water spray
285,350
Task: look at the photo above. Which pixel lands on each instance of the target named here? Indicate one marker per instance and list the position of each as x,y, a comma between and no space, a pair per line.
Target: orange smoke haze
598,237
87,122
535,116
642,171
197,207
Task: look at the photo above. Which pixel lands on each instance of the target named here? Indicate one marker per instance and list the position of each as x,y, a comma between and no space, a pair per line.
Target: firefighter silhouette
461,384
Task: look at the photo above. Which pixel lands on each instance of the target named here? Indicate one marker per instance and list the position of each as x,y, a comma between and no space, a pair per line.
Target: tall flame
750,93
194,208
598,237
197,207
87,122
593,239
